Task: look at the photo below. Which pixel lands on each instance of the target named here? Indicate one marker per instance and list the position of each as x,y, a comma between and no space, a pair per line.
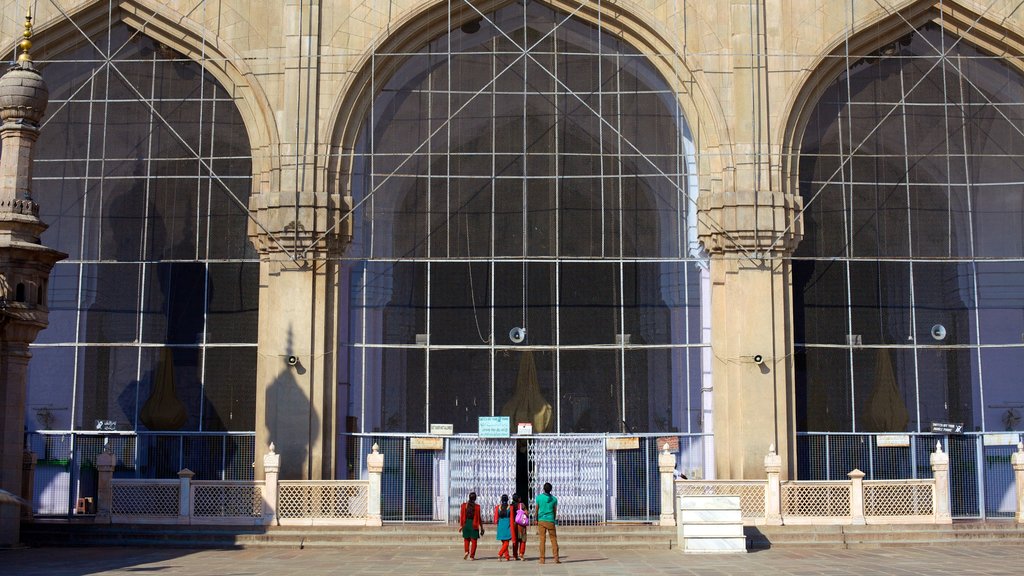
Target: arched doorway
526,171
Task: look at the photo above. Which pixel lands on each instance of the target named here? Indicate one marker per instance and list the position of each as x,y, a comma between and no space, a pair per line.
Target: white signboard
1001,439
893,440
442,429
524,428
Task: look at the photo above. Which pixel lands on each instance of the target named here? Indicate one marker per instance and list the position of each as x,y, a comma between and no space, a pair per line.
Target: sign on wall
493,427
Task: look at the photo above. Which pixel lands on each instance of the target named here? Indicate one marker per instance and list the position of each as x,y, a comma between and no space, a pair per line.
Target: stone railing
855,501
184,501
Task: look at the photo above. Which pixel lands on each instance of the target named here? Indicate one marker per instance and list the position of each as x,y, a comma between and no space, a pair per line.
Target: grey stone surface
960,560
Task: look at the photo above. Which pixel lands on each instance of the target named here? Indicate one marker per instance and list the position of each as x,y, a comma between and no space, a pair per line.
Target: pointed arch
155,20
421,25
970,23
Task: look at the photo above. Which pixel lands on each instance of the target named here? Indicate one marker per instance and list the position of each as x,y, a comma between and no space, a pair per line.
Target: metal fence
66,477
617,484
980,476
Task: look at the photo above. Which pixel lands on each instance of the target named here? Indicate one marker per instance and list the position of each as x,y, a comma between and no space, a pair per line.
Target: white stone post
856,497
105,463
667,468
271,466
773,490
375,466
185,496
1017,461
940,472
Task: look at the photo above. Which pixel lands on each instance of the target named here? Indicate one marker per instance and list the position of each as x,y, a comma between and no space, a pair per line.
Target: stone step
882,535
443,536
446,537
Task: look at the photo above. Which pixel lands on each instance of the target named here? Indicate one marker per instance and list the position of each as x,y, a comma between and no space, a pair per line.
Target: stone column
749,235
667,468
271,463
298,231
25,266
773,490
375,467
105,463
940,472
185,496
856,497
1017,461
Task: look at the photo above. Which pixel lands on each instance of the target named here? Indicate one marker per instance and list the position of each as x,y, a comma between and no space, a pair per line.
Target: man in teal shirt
547,511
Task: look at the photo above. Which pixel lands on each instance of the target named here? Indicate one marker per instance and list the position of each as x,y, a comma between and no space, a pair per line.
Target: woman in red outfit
470,525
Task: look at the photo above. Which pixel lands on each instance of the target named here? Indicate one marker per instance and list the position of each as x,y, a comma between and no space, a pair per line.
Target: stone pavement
958,560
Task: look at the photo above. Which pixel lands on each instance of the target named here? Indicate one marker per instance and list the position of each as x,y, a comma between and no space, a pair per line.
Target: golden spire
26,41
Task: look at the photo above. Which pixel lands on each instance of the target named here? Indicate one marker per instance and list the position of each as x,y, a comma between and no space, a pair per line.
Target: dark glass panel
460,390
402,391
589,303
460,303
943,301
62,300
940,220
581,217
823,390
109,386
648,317
233,307
821,294
946,378
230,389
176,302
1000,302
651,390
534,283
49,389
880,302
998,212
514,387
509,195
541,217
393,298
110,303
591,391
1003,410
884,389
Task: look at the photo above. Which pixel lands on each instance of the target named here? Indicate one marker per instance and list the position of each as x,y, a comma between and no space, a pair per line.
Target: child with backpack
521,522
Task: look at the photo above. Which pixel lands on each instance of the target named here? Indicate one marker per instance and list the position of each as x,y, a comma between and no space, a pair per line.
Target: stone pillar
749,235
298,231
856,497
271,464
25,266
773,490
375,467
105,463
667,468
1017,461
185,496
940,472
28,483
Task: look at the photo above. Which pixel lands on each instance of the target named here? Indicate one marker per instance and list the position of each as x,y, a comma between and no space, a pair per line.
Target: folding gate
486,466
575,467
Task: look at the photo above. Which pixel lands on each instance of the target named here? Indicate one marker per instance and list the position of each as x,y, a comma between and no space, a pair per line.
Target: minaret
25,266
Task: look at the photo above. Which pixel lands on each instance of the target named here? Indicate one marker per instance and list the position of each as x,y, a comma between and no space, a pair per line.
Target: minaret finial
26,41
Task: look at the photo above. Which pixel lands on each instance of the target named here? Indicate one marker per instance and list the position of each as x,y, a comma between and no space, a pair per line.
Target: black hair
472,496
547,487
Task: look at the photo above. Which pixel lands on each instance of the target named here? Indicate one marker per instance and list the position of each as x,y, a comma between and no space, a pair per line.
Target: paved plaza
958,559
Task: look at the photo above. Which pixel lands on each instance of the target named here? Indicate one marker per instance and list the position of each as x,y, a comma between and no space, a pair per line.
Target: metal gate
575,467
486,466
